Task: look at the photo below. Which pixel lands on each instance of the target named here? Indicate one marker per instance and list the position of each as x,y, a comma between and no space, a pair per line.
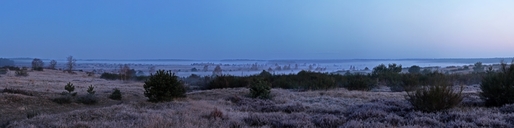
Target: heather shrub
216,113
435,97
163,86
508,108
260,89
21,72
359,82
88,99
115,95
498,87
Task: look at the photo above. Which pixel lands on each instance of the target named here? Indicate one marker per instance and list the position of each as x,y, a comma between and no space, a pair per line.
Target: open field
31,106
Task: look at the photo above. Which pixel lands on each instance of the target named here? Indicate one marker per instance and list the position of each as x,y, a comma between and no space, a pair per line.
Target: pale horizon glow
231,29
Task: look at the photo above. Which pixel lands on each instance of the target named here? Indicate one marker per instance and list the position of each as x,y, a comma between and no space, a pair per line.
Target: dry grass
227,107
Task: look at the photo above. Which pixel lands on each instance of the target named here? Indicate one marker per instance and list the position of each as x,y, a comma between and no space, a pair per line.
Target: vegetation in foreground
323,104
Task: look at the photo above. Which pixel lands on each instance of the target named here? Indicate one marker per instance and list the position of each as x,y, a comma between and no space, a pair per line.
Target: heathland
383,96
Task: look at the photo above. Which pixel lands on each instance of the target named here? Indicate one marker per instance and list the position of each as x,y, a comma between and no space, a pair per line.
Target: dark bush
163,86
22,72
109,76
88,99
498,87
226,81
409,82
260,89
439,96
116,94
414,69
359,82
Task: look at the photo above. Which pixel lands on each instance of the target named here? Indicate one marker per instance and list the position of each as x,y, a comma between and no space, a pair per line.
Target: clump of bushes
359,82
163,86
498,87
21,72
109,76
116,94
436,97
260,89
66,96
227,81
90,97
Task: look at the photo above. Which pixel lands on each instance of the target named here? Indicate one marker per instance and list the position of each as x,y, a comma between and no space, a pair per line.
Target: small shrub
163,86
90,90
260,89
216,113
498,87
69,87
116,94
32,114
88,99
22,72
435,98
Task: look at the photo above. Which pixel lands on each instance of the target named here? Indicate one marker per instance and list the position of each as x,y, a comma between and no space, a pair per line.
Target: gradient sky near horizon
260,29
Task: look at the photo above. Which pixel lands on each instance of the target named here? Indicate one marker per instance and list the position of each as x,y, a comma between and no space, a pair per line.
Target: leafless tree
52,64
37,64
205,68
217,71
70,64
124,72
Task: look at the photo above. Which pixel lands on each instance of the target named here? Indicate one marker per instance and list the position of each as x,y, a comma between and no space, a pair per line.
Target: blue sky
263,29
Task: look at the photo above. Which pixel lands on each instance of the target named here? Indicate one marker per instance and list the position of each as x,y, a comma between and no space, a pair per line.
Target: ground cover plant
328,102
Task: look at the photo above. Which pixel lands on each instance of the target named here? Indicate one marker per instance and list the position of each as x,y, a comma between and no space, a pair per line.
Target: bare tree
52,64
205,68
37,64
124,72
217,71
70,64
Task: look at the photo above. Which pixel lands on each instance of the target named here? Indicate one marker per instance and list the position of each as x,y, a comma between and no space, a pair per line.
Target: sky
256,29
